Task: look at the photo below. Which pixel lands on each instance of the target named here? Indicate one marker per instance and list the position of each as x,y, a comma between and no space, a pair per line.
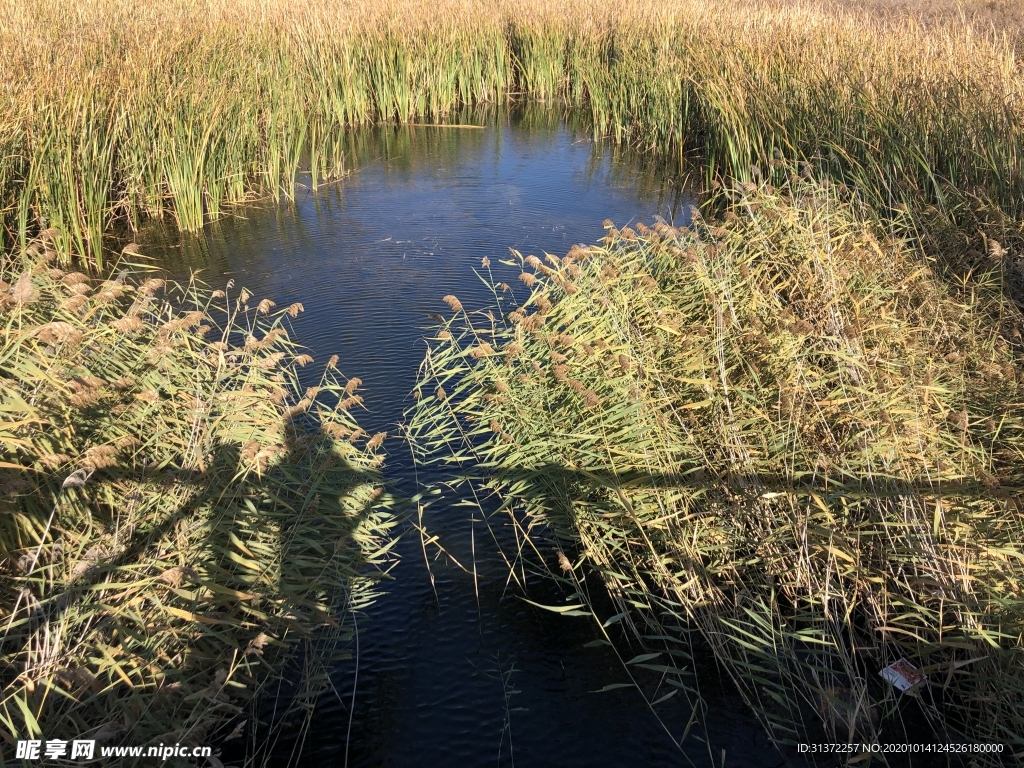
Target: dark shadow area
165,596
559,491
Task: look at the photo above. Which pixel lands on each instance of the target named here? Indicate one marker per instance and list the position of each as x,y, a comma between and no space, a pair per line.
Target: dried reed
167,532
809,451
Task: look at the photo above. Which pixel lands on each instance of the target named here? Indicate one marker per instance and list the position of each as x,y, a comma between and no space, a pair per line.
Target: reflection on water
474,675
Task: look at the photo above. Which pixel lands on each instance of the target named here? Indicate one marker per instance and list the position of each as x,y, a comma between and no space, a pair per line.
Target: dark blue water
458,673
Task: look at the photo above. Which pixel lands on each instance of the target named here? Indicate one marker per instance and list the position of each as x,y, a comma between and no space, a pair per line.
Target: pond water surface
450,678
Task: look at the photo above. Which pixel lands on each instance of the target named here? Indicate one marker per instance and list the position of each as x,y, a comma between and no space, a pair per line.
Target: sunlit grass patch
125,110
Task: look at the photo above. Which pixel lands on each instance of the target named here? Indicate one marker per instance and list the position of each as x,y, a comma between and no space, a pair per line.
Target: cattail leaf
614,686
643,657
567,610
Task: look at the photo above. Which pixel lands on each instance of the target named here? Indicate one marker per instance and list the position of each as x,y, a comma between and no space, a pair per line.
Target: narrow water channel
454,673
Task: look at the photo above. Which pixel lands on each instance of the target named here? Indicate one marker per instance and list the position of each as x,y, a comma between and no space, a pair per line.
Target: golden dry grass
116,110
996,15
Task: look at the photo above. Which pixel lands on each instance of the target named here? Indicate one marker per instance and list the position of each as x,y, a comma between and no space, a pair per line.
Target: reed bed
1001,16
780,435
117,110
178,516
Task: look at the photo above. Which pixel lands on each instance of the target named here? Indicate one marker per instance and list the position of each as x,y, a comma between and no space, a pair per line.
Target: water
470,674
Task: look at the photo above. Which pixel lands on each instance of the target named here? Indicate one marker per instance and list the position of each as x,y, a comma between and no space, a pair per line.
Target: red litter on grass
903,675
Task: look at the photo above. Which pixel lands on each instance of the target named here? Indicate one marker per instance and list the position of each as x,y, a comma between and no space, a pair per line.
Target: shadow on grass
166,601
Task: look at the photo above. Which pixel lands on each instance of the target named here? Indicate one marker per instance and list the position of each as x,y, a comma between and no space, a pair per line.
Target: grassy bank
782,431
178,516
117,110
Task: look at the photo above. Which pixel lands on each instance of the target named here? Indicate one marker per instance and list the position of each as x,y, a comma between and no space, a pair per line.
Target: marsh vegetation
777,434
177,513
791,428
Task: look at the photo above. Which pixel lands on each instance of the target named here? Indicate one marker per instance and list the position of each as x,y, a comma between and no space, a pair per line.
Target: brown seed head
128,324
334,429
100,456
73,304
270,361
57,331
300,407
148,396
151,286
23,291
54,460
483,349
